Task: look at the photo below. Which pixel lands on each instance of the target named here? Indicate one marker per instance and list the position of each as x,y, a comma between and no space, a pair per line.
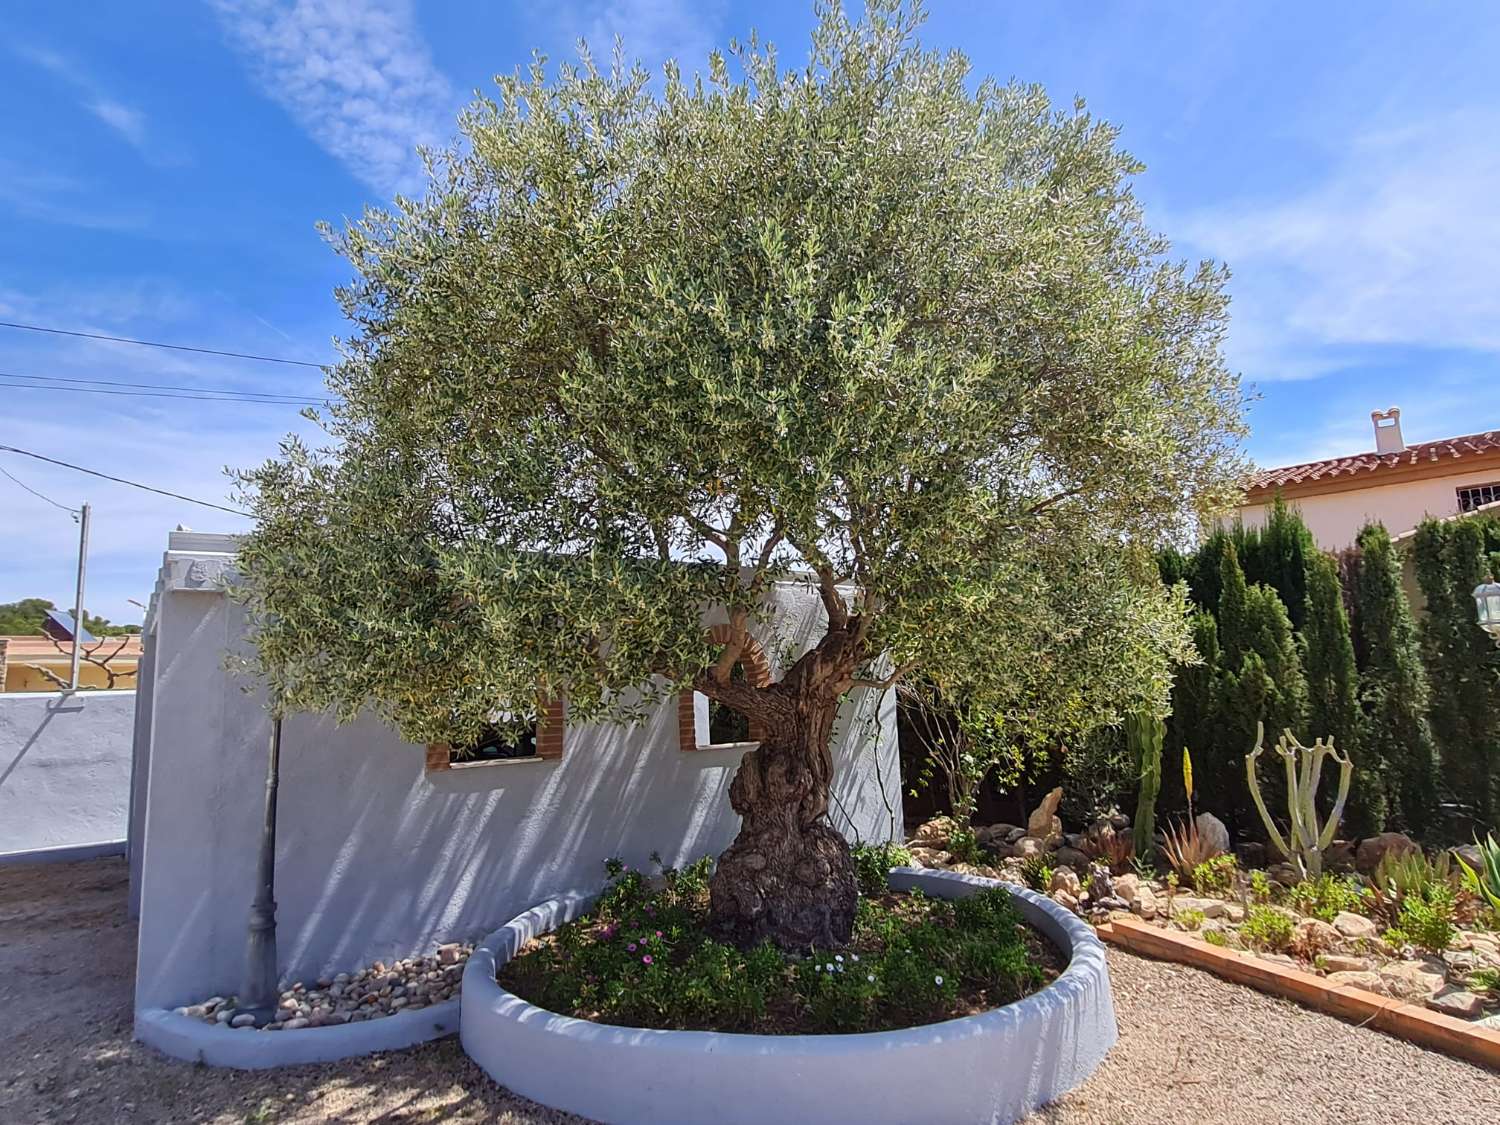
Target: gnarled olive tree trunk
788,876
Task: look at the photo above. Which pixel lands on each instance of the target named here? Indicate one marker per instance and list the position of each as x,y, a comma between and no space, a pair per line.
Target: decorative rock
1119,821
1285,874
1311,936
1064,899
1066,879
1376,848
1212,831
934,833
1355,926
1339,856
1029,846
1414,980
1126,886
1043,821
1208,907
1101,886
224,1015
1370,982
295,1024
1279,959
1014,834
1469,854
244,1019
1144,903
992,835
1457,1002
929,857
1343,963
1072,857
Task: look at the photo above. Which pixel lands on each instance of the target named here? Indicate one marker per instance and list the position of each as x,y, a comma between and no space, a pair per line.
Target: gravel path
1192,1048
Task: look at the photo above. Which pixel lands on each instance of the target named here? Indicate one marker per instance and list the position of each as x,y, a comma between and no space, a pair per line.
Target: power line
37,494
121,480
157,344
160,386
164,394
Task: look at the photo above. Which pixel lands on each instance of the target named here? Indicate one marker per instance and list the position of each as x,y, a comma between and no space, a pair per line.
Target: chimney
1388,430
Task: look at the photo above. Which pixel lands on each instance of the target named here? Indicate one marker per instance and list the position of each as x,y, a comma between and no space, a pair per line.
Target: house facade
1397,484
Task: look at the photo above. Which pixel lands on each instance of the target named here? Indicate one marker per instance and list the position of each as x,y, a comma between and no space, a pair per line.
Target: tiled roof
42,649
1454,448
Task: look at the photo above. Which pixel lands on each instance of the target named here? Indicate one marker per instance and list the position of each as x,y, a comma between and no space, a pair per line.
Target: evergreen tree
1277,555
1194,721
1394,735
1333,687
1464,712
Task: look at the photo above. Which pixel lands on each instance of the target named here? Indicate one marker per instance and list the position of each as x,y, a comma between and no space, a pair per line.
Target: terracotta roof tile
1427,451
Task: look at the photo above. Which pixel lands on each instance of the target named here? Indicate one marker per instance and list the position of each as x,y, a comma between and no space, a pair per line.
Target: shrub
1191,919
873,861
1260,886
1266,928
1036,872
1399,877
1214,876
1327,896
1187,849
644,958
1426,920
1486,981
1216,937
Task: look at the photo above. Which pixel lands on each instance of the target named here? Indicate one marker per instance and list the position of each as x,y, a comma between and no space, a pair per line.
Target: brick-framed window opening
543,742
1475,495
706,724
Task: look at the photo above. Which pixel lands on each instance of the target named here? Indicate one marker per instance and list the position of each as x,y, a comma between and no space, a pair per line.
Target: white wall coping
213,1044
996,1066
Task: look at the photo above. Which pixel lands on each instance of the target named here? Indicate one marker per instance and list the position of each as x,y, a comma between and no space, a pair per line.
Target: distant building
1397,484
107,662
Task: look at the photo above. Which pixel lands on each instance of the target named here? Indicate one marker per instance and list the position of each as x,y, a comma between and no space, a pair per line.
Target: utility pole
83,556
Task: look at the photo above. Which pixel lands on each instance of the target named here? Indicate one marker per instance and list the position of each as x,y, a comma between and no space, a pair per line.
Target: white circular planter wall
993,1067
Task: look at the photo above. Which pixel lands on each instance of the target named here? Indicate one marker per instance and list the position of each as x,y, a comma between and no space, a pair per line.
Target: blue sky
162,166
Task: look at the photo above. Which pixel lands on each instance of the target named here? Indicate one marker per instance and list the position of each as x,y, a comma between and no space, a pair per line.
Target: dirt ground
1192,1048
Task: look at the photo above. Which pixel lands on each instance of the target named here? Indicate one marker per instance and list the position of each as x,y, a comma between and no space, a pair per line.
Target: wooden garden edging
1395,1017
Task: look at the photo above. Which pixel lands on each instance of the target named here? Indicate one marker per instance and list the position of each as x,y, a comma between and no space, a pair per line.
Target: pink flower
631,947
658,933
646,960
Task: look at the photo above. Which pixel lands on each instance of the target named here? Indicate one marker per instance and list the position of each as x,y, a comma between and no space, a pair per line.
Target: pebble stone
379,990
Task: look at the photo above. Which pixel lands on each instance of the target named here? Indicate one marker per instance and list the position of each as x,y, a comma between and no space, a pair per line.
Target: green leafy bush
1191,919
1327,896
1260,887
1214,876
1486,981
1266,928
873,861
1036,872
1426,919
644,958
1216,937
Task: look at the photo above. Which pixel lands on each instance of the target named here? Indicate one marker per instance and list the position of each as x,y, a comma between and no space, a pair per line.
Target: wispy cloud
651,30
126,120
355,74
1397,246
51,197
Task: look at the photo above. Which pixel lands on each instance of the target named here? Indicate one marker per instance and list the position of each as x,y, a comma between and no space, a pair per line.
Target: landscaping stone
1211,829
1072,857
1312,936
1344,963
1064,899
1144,903
1127,885
1014,834
244,1019
1029,846
1375,848
1285,874
1280,959
1208,907
1355,926
1414,980
1457,1002
1043,822
1066,879
1370,982
934,833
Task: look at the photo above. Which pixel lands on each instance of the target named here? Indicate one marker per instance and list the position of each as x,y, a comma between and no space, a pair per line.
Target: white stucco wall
64,772
377,858
1335,518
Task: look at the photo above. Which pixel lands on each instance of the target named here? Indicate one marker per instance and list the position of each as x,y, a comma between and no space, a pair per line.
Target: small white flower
938,981
817,968
854,957
840,968
829,966
870,978
838,956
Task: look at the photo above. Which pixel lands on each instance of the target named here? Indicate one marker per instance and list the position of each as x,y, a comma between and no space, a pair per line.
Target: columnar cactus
1304,842
1143,735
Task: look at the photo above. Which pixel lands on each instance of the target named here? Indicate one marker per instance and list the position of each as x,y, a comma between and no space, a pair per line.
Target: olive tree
644,349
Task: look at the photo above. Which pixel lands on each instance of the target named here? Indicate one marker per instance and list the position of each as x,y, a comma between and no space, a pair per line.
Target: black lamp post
259,996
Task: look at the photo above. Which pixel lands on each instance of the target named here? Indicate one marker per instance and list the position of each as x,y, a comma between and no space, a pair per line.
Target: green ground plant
1036,872
1426,919
1214,876
1266,928
644,957
872,862
1329,895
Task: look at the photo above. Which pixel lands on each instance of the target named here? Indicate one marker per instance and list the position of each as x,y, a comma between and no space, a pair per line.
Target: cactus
1304,770
1143,735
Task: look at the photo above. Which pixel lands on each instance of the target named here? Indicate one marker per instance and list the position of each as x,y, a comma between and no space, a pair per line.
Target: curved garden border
184,1037
996,1066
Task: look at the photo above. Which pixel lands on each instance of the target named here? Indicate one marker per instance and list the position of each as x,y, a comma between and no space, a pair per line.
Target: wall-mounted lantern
1487,600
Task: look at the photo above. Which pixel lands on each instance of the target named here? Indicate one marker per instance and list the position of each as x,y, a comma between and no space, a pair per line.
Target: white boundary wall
377,858
64,773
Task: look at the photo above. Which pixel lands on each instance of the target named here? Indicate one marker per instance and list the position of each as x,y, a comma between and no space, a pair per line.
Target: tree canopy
643,348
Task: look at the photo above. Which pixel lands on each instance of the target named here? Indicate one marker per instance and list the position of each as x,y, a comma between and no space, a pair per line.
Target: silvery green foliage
640,350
